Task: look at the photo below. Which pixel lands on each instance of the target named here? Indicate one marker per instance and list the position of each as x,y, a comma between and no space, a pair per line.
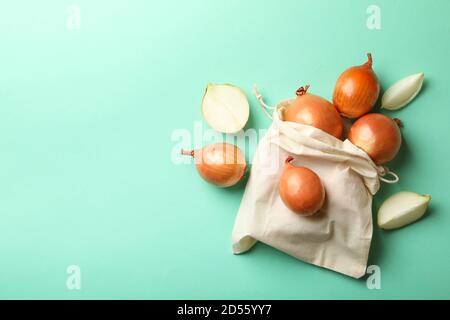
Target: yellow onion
301,189
314,111
357,90
221,164
379,136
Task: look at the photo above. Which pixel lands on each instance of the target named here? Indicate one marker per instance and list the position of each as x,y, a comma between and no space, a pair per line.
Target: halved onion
225,108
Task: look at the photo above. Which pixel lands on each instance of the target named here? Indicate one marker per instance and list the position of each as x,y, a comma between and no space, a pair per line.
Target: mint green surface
86,119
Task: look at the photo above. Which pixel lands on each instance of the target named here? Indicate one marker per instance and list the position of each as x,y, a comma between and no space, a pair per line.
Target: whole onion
357,90
301,189
379,136
221,164
314,111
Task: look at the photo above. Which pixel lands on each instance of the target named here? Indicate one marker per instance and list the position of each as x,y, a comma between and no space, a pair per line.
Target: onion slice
401,209
225,108
403,92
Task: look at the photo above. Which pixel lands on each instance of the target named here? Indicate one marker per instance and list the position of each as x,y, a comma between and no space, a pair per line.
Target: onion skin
221,164
314,111
379,136
301,189
357,90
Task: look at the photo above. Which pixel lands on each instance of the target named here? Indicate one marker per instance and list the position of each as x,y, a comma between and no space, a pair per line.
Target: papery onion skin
301,189
378,135
357,90
314,111
221,164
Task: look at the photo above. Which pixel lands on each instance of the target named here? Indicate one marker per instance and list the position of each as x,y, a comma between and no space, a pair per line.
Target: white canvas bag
339,236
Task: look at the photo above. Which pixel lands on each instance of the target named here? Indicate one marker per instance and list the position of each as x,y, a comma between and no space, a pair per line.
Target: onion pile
226,109
221,164
357,90
301,189
314,111
379,136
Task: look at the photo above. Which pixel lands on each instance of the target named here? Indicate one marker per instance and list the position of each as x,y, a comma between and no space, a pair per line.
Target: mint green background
86,119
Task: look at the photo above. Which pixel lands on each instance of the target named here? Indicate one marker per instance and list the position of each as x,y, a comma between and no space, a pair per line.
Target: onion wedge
401,209
403,92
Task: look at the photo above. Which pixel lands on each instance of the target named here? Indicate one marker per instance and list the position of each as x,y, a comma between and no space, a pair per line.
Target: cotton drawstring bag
338,237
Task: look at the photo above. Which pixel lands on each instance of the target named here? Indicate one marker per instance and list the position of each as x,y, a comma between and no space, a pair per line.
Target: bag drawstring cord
263,105
388,172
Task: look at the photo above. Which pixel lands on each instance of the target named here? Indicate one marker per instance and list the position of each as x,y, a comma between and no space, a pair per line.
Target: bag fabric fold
338,237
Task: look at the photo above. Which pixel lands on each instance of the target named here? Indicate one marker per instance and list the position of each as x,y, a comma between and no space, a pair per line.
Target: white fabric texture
339,236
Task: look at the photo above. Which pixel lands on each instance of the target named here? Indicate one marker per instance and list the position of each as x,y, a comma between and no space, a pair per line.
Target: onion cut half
225,108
